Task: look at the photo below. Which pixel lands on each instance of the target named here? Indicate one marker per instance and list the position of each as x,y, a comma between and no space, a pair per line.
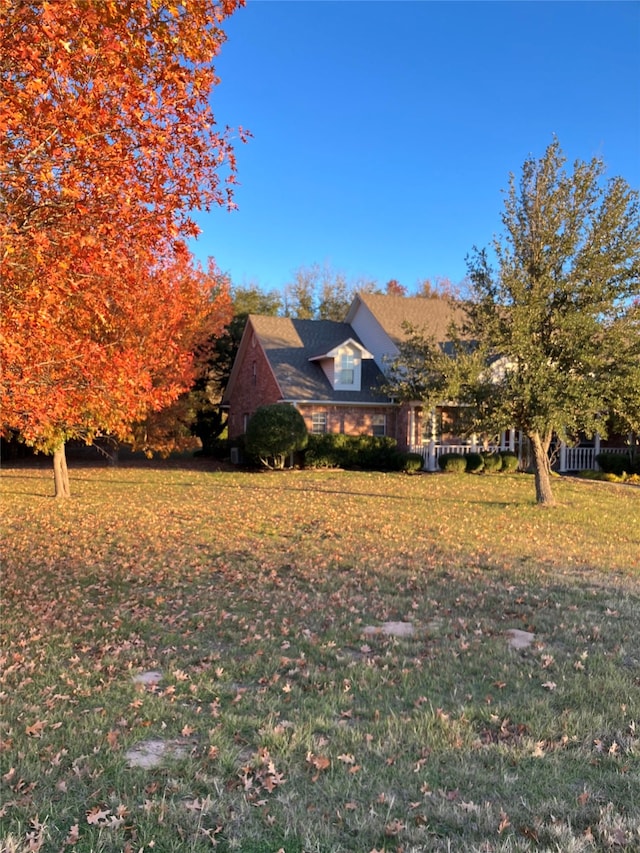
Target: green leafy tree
274,432
206,396
556,325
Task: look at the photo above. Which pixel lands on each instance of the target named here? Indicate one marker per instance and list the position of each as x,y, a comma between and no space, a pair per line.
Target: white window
347,369
319,423
379,424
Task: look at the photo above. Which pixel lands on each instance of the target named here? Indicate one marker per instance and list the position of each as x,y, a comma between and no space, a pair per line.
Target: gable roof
433,314
288,345
350,343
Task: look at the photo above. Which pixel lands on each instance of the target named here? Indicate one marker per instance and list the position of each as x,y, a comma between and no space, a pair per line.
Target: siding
373,335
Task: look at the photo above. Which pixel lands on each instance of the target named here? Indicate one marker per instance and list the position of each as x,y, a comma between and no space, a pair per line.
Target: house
319,366
332,372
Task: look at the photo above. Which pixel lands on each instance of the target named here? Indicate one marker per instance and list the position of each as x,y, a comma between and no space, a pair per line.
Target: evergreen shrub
411,463
369,452
509,460
452,463
619,463
492,462
274,432
474,463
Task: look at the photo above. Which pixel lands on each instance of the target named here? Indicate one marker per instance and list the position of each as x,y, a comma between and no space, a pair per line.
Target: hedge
619,463
370,452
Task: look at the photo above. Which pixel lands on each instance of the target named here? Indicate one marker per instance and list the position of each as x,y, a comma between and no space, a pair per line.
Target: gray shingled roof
433,314
289,344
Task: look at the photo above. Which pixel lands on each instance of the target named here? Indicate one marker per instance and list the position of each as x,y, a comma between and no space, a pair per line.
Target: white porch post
411,426
432,461
512,440
563,457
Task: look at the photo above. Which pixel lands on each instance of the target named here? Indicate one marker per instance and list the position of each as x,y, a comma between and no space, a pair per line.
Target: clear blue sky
384,130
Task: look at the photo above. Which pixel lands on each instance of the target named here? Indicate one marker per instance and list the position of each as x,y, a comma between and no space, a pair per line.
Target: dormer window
346,369
342,365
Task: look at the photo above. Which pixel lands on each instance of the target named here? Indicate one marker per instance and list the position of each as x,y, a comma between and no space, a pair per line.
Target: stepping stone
391,629
519,639
151,753
151,677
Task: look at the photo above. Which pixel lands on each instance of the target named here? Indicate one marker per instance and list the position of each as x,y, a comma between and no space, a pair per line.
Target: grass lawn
280,722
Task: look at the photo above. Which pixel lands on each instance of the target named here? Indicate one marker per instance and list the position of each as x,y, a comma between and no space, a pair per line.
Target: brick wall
351,420
254,386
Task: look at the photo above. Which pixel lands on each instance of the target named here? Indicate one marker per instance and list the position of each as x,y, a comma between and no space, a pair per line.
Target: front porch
432,450
564,458
432,433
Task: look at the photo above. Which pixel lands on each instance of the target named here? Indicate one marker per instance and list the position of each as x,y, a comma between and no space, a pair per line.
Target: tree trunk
60,473
542,469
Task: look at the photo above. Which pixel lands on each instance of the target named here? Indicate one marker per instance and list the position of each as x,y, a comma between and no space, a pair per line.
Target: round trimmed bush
412,463
474,463
509,460
452,463
492,462
274,432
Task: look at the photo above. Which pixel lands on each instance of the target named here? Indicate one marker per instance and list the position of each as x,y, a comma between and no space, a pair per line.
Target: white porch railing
584,458
569,459
431,452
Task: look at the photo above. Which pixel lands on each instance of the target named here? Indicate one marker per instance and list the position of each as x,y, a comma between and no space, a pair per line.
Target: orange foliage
107,142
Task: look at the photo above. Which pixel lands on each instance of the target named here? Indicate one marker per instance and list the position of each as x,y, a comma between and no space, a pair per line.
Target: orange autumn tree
107,143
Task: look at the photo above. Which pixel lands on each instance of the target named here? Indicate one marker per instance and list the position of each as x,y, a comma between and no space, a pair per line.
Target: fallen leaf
98,816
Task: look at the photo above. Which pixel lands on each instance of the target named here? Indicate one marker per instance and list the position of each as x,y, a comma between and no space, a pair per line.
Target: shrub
324,451
452,463
336,450
374,453
474,463
274,432
619,463
492,462
410,463
509,460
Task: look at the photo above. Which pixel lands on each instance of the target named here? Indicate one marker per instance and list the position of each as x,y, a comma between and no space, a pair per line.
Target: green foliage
561,311
452,463
474,463
209,389
619,463
412,463
368,452
509,460
556,325
274,432
492,462
326,450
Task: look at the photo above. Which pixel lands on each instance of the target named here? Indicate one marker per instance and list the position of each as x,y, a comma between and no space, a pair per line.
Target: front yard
233,628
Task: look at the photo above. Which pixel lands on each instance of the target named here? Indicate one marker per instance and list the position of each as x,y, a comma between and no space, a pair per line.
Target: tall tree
557,323
319,292
300,294
206,396
107,143
394,288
